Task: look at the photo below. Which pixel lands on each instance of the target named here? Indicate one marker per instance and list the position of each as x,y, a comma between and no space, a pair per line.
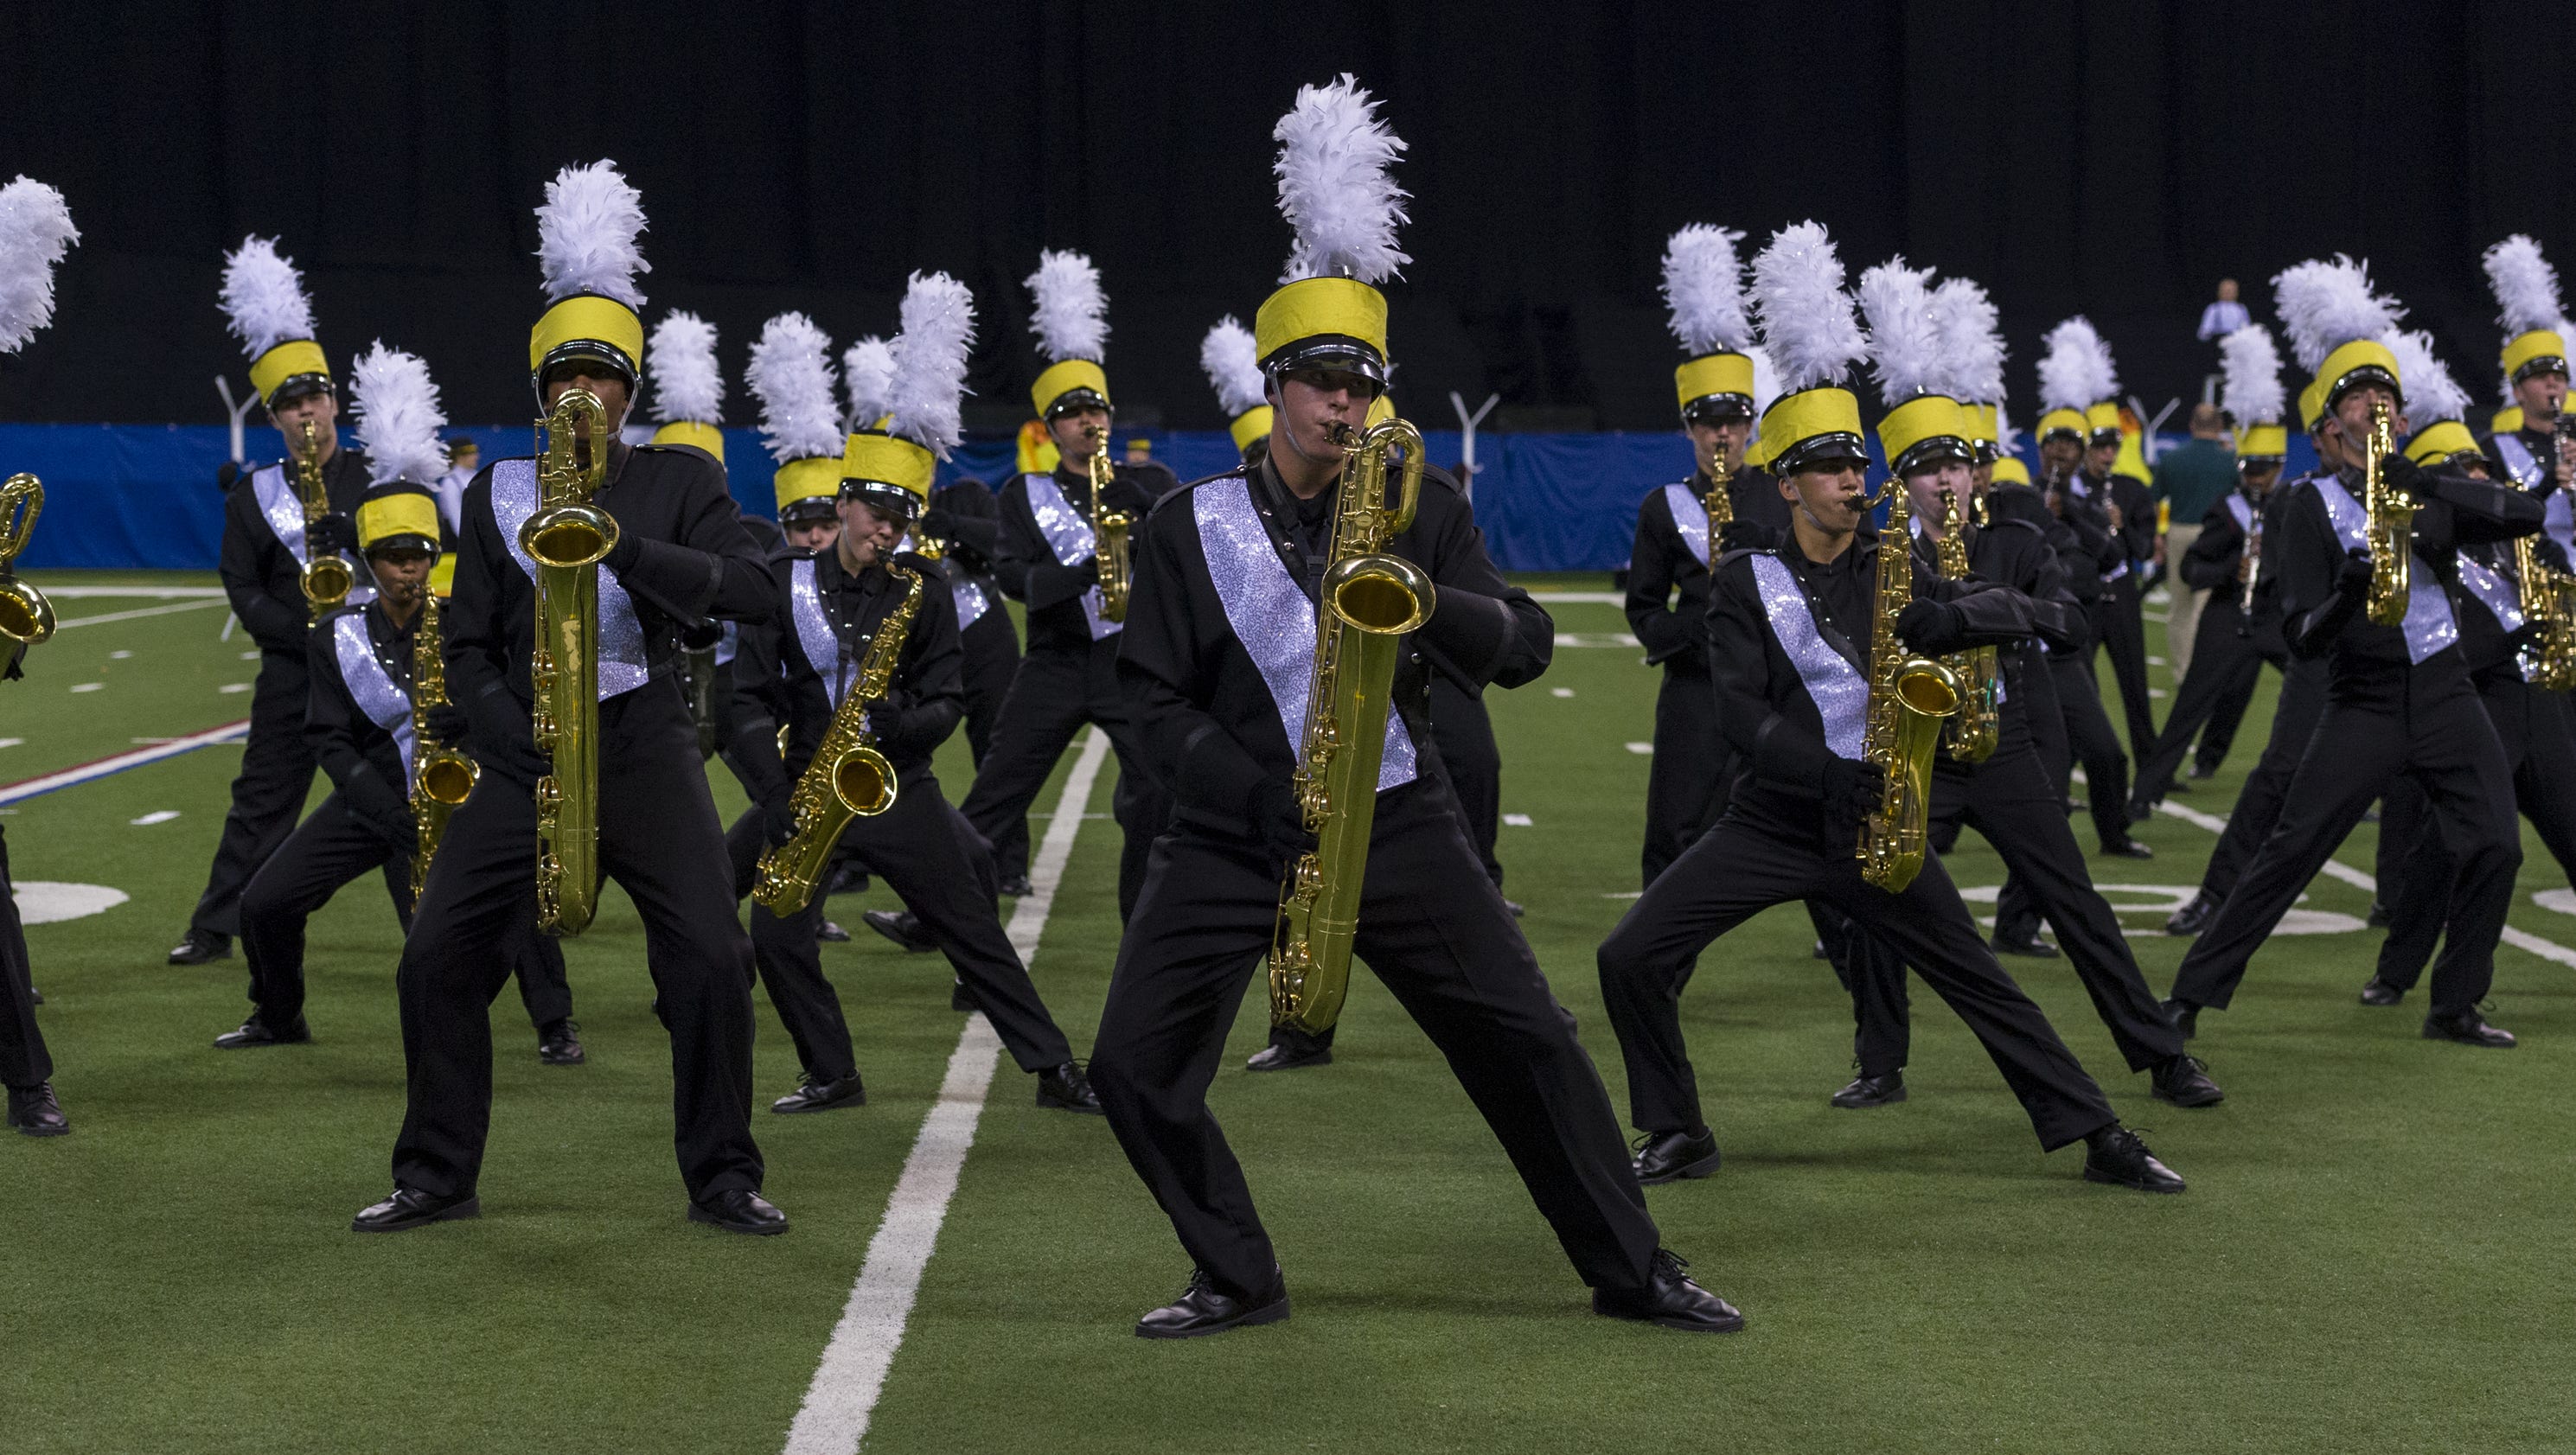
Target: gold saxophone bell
26,617
864,782
327,580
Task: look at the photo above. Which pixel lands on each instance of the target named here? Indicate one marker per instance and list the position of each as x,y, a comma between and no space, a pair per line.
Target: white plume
1806,318
586,233
1333,185
263,297
2526,287
1704,289
791,375
1766,378
930,362
398,416
687,385
1071,319
2007,438
1972,342
35,229
2432,394
2076,371
1904,345
867,376
2249,365
1232,367
2325,305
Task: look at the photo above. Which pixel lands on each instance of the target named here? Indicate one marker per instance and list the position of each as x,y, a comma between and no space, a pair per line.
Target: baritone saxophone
26,617
849,777
566,538
1909,699
1370,599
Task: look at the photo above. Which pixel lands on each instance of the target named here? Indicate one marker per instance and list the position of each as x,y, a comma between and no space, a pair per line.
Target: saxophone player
359,728
268,544
1791,633
1219,652
2400,698
1047,558
680,557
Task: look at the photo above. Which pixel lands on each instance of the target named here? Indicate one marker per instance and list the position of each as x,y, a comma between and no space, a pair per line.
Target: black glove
2353,577
1932,627
701,636
1744,535
777,820
381,808
937,522
331,535
2400,473
1275,817
500,738
1853,790
227,475
446,724
621,556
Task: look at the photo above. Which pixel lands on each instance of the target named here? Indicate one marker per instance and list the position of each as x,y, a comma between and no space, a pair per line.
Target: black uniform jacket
2210,565
682,555
2088,552
362,759
1662,562
261,576
1762,703
2015,553
1026,566
1208,720
775,682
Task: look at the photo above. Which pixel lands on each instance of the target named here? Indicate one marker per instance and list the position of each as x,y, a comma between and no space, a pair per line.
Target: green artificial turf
2372,1254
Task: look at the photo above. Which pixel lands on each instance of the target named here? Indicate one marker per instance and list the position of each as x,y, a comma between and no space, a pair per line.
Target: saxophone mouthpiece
1341,433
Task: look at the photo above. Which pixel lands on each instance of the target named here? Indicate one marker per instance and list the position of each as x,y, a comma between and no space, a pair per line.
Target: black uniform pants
2091,741
2540,742
2438,735
2008,799
1434,929
660,841
328,851
1463,732
920,849
2118,627
268,794
1740,868
24,1061
1053,694
2225,667
1684,786
2258,803
992,647
2224,719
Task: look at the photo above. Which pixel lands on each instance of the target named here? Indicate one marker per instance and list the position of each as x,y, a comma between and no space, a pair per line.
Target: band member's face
1078,432
403,575
599,379
1709,437
321,407
2472,464
2098,458
2058,454
1311,404
1828,493
2350,421
812,533
1931,487
2540,396
868,533
1981,475
2260,478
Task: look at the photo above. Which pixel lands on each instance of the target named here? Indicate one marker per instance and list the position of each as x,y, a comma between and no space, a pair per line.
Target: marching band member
2525,447
1233,366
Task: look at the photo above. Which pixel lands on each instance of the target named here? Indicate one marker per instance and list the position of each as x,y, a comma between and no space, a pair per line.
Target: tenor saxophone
441,777
26,617
2391,525
848,778
327,578
1719,505
566,537
1978,726
1370,599
1909,698
1110,529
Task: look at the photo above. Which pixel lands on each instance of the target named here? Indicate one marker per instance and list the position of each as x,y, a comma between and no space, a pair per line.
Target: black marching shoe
2204,770
198,947
2184,1081
1671,1156
904,928
1016,887
2140,810
2378,917
2468,1028
2376,991
2120,1157
831,933
2185,1017
1516,907
1203,1309
36,996
410,1207
1671,1301
2195,916
1290,1056
961,999
2032,947
1868,1091
559,1043
816,1095
1068,1088
2127,849
257,1032
739,1211
33,1111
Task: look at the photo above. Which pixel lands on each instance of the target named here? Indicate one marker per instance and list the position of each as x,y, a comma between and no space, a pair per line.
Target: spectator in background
2191,478
1140,452
2223,316
464,458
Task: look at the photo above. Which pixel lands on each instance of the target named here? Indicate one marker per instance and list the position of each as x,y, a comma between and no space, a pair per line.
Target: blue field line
231,732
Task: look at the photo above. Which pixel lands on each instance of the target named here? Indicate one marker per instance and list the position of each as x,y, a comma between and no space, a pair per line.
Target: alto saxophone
1110,529
26,617
566,537
1719,505
1909,698
1370,599
441,777
1977,728
2391,525
848,778
327,578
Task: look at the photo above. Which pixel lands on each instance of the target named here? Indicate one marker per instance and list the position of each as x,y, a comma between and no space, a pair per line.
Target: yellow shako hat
1343,206
2526,294
2435,401
688,387
1071,320
1808,328
892,466
2078,385
2250,393
800,421
398,423
265,306
586,231
2336,326
1704,299
1233,368
1922,426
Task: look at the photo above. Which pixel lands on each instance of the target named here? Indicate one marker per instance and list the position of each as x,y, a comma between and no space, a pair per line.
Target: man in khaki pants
2190,478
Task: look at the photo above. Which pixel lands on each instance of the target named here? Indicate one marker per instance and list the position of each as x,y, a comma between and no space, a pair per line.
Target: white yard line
834,1418
1578,598
157,593
139,612
86,772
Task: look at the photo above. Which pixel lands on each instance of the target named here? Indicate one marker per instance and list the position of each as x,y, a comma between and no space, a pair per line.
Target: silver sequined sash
371,686
1690,517
622,667
1069,536
283,509
2429,624
814,632
1840,692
